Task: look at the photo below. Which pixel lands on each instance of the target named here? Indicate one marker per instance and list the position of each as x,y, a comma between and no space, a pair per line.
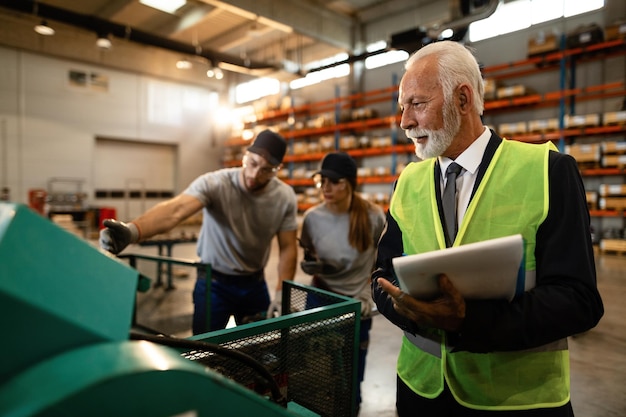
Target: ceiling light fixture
183,64
214,72
103,42
44,29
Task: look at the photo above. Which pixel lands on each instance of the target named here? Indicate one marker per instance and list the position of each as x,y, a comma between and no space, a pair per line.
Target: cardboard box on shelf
517,90
381,141
300,148
612,190
382,171
491,85
542,43
512,128
327,143
614,118
592,199
610,147
581,120
347,142
584,36
615,31
543,126
584,153
614,161
314,147
612,203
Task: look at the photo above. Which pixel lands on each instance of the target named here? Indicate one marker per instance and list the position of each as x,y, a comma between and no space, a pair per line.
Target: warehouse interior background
123,105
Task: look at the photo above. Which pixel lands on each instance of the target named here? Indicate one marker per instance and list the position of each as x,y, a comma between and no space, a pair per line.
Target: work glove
309,251
276,306
117,235
319,267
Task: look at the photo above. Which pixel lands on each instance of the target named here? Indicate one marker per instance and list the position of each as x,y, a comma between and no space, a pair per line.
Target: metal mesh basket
311,350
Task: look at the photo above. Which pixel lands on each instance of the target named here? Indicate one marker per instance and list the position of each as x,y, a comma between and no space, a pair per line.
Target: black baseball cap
337,165
270,145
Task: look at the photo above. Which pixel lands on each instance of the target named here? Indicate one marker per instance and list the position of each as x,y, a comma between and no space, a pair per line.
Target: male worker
468,357
243,210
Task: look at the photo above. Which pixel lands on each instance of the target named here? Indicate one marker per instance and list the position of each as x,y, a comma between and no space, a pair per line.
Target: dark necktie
449,201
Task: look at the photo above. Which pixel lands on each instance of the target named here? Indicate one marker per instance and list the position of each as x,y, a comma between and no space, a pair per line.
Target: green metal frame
342,306
144,284
339,306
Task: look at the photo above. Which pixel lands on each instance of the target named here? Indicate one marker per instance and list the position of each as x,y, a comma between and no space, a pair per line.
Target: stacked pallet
614,154
613,246
592,199
612,197
587,155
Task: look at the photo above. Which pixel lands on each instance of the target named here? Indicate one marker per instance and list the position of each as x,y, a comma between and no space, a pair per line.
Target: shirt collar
471,157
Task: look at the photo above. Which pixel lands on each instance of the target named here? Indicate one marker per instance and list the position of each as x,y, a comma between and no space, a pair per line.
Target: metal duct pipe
482,12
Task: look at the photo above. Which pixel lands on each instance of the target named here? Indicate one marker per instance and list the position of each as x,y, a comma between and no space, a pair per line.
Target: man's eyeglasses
249,162
321,181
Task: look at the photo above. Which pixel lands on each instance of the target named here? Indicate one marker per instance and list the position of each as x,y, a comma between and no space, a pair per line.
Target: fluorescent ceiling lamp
167,6
316,77
386,58
256,89
574,8
519,14
376,46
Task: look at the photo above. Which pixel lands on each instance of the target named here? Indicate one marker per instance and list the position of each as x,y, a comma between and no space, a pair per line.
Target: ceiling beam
96,25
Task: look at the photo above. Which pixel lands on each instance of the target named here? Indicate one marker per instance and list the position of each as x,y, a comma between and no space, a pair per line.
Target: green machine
66,309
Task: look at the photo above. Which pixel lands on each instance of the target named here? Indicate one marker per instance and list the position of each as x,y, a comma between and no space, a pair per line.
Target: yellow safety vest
512,198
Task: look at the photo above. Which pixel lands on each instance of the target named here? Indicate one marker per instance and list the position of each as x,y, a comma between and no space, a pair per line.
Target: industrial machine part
311,350
65,310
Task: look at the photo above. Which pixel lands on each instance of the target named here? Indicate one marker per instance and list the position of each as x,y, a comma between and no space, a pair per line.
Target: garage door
133,176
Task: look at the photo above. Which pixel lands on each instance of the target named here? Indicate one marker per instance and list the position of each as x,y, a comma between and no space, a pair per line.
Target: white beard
438,140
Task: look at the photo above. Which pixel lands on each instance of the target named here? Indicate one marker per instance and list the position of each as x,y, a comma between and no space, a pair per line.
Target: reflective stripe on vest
535,378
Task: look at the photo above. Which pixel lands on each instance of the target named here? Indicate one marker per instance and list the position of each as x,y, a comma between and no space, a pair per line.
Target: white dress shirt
469,161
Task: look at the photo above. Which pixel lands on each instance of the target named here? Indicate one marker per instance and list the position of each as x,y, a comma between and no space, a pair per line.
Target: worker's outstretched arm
159,219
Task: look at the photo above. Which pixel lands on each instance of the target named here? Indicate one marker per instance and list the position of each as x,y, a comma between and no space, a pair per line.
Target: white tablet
482,270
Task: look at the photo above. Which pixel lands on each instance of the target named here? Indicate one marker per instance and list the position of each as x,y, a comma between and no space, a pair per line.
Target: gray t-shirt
238,226
328,233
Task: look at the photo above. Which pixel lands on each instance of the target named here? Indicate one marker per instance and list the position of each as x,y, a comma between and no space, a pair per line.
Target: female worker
339,237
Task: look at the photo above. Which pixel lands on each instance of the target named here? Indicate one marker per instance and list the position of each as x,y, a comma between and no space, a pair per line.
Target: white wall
48,128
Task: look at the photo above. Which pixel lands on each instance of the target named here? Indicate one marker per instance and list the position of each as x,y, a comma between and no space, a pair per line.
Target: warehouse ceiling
249,36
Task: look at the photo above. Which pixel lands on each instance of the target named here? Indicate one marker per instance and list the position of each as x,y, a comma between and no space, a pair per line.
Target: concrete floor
598,358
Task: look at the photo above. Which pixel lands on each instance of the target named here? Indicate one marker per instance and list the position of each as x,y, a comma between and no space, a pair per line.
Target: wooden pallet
613,147
614,161
615,190
612,203
617,246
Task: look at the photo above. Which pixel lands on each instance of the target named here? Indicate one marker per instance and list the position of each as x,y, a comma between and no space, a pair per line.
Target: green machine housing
65,314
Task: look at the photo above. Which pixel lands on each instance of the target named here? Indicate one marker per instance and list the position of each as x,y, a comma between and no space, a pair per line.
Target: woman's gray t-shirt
328,233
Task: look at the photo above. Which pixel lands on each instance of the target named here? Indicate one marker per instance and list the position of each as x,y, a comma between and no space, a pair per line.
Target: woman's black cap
338,165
